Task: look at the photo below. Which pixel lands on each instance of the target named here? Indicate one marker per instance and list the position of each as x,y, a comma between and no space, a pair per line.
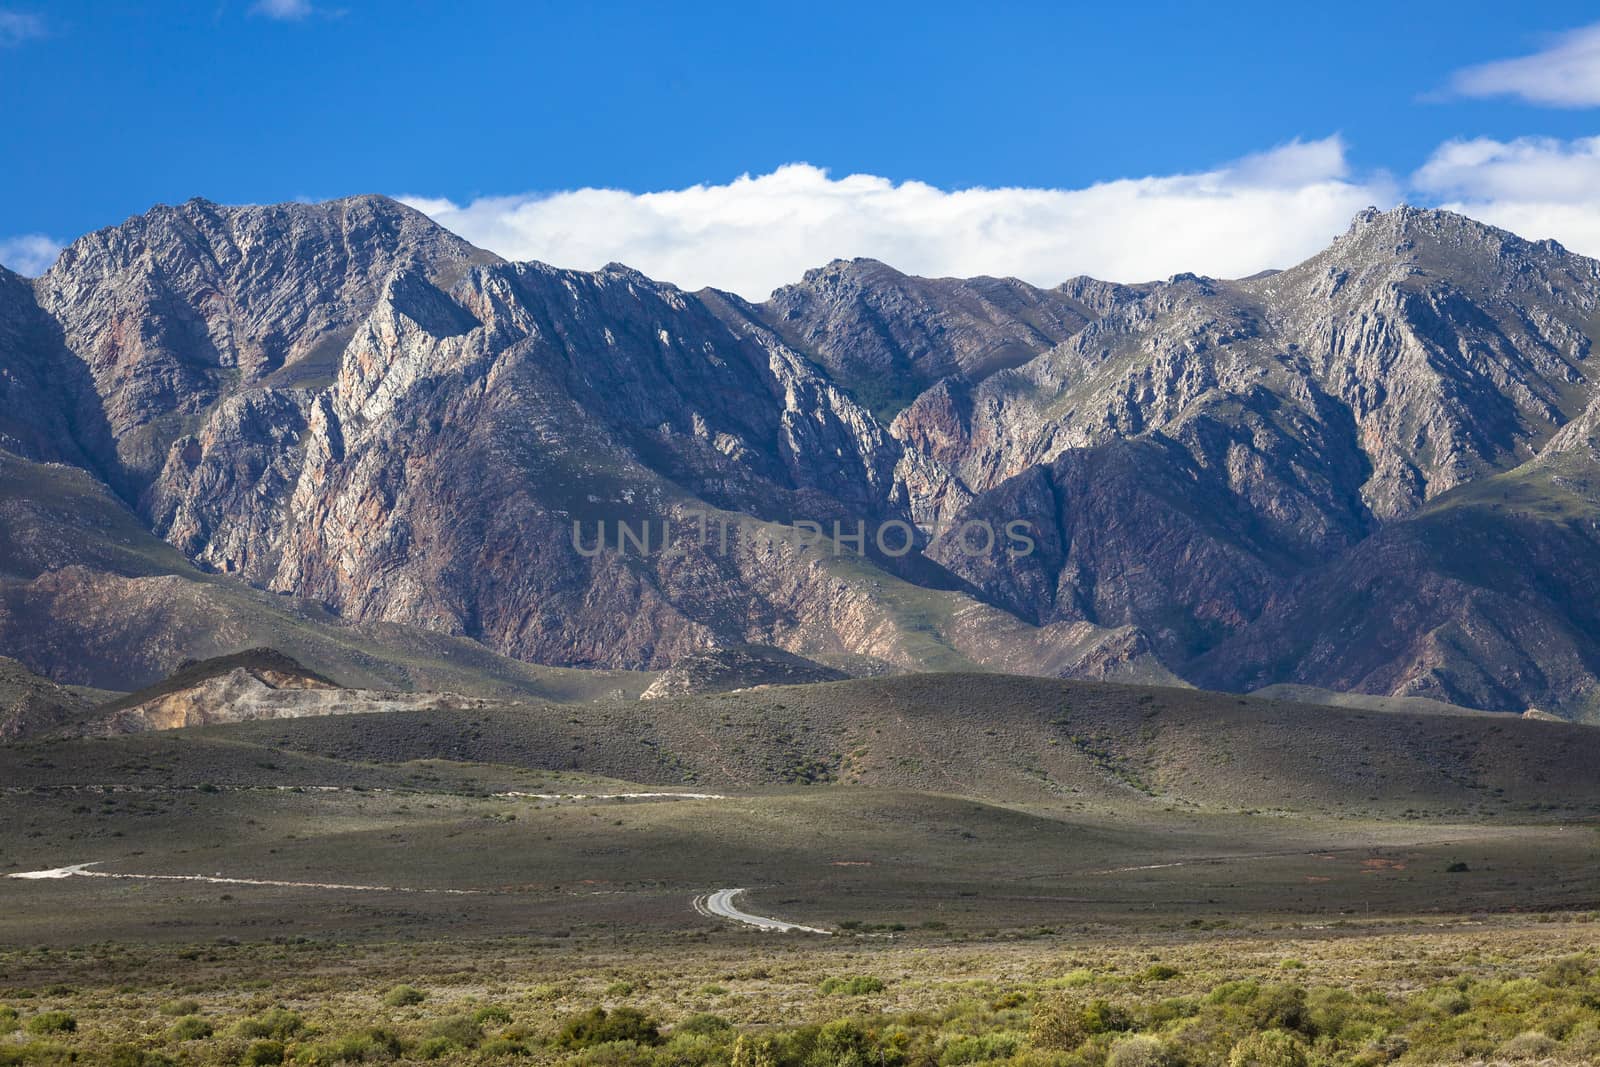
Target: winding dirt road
81,870
719,905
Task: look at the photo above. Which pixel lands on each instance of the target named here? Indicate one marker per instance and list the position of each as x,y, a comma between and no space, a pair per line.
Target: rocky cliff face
49,409
887,336
175,309
345,403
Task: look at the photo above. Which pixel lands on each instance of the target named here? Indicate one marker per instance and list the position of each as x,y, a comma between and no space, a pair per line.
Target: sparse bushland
1505,991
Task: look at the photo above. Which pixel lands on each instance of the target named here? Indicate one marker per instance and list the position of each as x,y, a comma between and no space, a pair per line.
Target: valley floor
315,892
449,920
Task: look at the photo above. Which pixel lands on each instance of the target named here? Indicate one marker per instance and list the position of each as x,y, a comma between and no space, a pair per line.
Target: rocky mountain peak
885,336
848,272
1440,242
1099,297
367,234
178,307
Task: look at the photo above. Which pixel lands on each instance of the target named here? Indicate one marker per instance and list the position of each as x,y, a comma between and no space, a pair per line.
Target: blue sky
109,110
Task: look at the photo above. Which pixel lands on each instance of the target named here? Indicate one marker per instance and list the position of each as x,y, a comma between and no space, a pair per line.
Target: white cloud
1533,186
29,254
287,10
755,233
1567,74
17,26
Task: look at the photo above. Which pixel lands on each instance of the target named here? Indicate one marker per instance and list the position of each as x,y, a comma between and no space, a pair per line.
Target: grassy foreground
1514,990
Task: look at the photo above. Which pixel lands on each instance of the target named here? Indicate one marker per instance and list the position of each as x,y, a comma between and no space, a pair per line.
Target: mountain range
341,431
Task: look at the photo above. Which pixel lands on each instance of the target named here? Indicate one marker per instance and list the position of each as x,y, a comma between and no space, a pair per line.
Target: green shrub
186,1006
134,1056
52,1022
1271,1048
436,1048
278,1024
841,1043
704,1023
8,1018
753,1052
191,1028
978,1048
692,1050
1568,971
1279,1007
263,1054
403,996
37,1053
491,1015
1337,1013
1103,1017
1159,972
1140,1050
618,1054
1531,1045
857,986
598,1027
1234,993
462,1030
15,1055
502,1047
368,1046
1057,1024
1072,979
1583,1044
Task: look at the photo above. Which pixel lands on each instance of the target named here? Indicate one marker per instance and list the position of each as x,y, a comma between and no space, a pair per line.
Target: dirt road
719,905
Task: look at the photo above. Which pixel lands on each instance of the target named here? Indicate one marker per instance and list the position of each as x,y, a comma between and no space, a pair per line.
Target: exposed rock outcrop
725,670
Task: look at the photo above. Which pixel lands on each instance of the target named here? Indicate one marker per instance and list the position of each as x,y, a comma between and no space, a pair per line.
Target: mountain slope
1293,425
344,404
88,596
30,705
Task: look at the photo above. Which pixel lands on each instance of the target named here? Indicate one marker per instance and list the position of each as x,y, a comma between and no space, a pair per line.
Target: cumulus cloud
758,232
286,10
1567,74
17,27
29,254
1533,186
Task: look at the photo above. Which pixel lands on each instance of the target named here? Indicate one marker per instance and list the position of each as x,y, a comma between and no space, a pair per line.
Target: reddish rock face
1372,470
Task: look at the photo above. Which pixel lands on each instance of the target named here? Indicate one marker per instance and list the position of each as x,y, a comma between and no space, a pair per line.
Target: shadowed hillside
1010,739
